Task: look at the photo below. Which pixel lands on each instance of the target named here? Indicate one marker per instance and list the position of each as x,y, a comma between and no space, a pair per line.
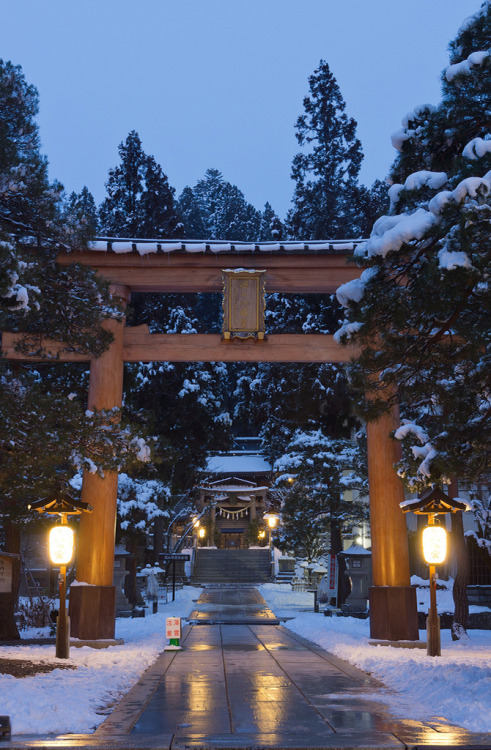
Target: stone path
229,606
253,685
256,685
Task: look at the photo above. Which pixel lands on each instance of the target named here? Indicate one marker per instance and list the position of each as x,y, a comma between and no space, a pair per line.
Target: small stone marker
173,633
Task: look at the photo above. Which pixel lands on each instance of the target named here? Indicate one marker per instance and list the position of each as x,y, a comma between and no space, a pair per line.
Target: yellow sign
243,303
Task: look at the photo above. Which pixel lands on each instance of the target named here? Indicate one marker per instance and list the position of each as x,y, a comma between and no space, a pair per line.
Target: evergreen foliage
35,292
140,201
40,297
215,209
276,400
326,170
421,310
183,403
315,473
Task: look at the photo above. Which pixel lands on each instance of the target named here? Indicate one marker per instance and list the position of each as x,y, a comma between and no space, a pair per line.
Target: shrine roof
232,465
121,245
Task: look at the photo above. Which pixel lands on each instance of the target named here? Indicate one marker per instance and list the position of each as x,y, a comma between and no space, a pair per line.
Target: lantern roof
58,503
432,502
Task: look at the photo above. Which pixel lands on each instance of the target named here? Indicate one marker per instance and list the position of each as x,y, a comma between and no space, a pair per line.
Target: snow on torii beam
150,266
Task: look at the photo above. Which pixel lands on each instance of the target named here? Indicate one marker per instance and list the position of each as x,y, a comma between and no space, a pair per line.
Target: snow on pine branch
477,148
390,233
416,181
426,451
412,125
138,501
466,67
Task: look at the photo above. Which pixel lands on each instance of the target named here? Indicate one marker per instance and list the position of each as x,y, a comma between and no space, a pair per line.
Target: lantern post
434,502
61,546
272,519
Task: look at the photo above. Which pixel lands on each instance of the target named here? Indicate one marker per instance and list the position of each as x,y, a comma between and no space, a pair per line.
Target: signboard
332,575
170,557
173,627
5,574
243,303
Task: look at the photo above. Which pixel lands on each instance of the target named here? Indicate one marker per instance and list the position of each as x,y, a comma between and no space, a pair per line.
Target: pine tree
326,171
219,209
271,227
421,310
80,212
140,201
182,402
315,473
37,296
424,292
194,227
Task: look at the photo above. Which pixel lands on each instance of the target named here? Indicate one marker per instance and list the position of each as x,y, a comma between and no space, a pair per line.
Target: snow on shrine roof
244,483
231,465
144,247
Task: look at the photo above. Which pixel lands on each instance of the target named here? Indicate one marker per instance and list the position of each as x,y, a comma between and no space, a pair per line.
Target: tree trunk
158,538
461,614
8,627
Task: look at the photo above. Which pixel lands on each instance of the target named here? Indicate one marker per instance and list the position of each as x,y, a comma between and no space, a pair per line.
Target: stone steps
232,566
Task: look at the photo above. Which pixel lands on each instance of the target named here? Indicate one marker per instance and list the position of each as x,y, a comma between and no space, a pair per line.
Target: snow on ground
454,686
67,700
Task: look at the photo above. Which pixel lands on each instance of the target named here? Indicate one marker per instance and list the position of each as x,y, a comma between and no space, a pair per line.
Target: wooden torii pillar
93,596
393,606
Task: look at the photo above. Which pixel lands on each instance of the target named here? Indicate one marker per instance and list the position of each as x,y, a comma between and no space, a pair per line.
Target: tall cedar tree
328,203
421,310
183,401
140,201
326,171
37,296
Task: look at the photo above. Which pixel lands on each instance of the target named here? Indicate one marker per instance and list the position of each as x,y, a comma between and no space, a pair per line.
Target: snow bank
454,686
73,700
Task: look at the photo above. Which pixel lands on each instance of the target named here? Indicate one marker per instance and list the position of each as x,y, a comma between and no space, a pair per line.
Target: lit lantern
272,519
61,544
434,544
201,533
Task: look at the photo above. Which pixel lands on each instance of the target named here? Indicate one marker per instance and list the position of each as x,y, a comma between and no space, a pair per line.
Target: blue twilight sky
220,83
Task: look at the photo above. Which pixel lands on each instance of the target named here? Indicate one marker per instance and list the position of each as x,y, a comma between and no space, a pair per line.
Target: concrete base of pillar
393,613
92,612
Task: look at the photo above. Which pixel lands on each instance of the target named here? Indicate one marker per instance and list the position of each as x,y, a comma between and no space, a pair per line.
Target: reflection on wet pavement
245,685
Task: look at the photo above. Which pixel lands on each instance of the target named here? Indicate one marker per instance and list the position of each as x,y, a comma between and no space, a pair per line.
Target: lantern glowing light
61,544
201,532
272,519
434,544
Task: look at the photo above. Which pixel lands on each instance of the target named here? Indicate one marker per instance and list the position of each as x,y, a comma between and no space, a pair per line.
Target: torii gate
190,266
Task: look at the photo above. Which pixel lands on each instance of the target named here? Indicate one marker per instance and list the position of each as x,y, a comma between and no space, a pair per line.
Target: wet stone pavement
255,685
252,685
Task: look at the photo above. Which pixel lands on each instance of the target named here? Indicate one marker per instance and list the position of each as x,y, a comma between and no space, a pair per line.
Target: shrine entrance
244,272
233,539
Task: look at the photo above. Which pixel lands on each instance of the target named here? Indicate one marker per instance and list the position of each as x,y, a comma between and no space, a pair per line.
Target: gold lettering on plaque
243,303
